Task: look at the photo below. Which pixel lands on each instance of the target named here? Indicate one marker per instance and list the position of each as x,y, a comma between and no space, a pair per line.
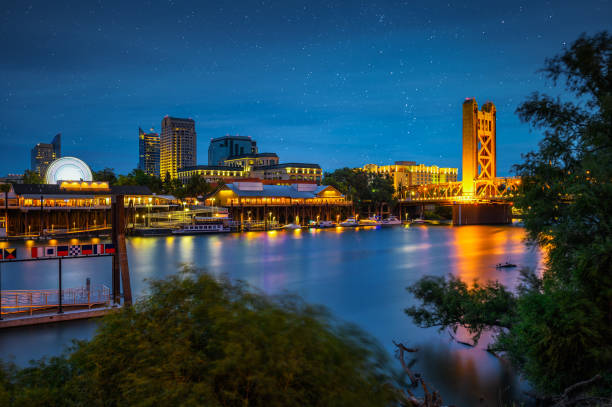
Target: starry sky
339,83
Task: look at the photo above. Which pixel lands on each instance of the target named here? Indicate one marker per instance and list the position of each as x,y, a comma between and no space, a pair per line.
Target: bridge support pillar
482,214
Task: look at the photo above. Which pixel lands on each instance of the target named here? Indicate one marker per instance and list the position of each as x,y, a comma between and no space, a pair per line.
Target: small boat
418,221
350,222
505,265
201,229
391,221
323,224
291,226
371,221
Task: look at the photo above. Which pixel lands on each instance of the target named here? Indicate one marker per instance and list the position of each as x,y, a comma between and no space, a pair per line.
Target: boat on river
391,221
197,229
324,224
291,226
349,222
505,265
371,221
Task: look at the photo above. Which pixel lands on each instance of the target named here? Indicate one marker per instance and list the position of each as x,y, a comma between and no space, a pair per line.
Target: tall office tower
177,145
148,152
44,153
479,132
221,148
57,145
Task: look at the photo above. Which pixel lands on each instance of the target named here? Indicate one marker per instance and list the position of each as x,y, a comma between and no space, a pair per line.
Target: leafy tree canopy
366,190
32,177
197,340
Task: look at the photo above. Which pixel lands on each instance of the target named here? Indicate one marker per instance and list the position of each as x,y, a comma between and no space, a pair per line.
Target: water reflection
361,274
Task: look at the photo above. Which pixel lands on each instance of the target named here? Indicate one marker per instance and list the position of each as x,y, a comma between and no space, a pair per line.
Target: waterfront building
148,152
248,161
258,193
289,171
177,145
221,148
479,139
212,173
73,206
258,201
407,174
44,153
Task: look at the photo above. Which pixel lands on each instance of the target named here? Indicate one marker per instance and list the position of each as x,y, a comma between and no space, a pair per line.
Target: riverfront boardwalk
28,307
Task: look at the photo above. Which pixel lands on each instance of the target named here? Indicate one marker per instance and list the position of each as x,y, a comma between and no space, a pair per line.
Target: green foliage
197,186
439,213
558,328
366,190
196,340
450,303
105,175
32,177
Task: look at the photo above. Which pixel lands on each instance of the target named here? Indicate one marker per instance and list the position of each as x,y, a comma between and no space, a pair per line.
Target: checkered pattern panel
75,251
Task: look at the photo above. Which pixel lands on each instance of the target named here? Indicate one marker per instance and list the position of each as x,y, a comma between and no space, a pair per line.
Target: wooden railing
29,301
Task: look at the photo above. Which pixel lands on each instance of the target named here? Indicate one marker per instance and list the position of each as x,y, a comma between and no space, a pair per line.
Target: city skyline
343,86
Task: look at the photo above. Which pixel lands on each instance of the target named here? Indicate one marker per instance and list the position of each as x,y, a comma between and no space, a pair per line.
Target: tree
197,186
558,327
32,177
365,189
197,340
105,175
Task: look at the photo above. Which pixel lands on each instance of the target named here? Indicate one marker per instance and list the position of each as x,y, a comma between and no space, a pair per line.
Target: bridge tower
479,152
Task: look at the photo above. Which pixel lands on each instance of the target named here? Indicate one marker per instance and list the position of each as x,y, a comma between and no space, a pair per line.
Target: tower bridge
480,197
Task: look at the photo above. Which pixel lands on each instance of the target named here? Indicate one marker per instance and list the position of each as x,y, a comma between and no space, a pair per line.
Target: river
361,275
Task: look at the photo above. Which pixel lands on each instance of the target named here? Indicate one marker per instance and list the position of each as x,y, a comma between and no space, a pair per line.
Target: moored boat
325,224
349,222
197,229
291,226
391,221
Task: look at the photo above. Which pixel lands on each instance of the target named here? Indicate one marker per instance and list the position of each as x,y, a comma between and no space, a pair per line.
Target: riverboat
204,225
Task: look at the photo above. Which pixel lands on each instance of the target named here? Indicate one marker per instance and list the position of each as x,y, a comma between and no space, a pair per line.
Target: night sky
334,83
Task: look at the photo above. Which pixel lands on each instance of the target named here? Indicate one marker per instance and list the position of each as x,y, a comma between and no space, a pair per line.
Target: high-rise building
221,148
44,153
479,133
177,145
148,152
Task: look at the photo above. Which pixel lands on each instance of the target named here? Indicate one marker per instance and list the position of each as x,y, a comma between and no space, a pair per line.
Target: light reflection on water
361,275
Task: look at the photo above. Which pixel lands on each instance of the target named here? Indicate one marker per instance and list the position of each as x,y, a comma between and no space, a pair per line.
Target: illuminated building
406,174
211,173
247,161
44,153
294,172
73,206
288,171
221,148
148,152
479,133
260,194
177,145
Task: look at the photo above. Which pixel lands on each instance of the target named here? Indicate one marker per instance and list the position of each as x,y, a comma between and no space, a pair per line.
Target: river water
360,274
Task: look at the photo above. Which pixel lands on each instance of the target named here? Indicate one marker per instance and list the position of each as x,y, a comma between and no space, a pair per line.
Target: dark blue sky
336,83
